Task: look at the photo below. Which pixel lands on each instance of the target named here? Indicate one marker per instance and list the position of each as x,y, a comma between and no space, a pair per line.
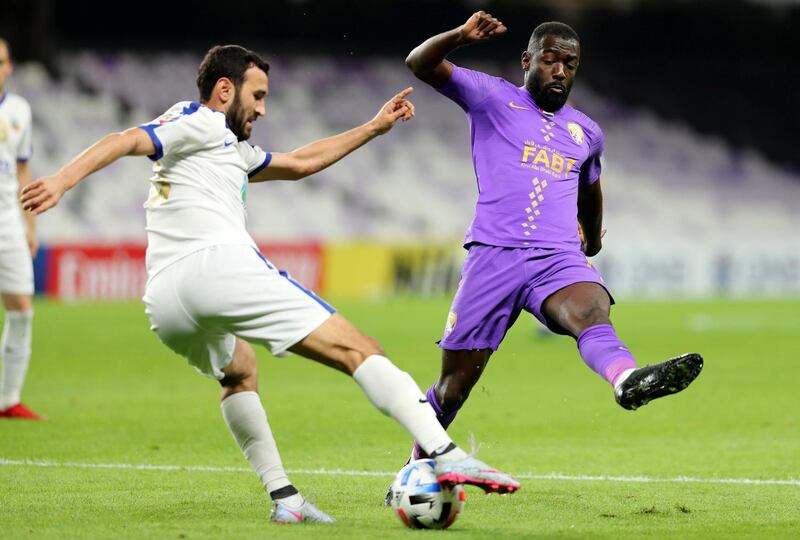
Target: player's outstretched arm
590,218
44,193
318,155
427,60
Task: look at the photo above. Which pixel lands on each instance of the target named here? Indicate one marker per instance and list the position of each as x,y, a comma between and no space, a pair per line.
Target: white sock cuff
370,364
26,315
238,396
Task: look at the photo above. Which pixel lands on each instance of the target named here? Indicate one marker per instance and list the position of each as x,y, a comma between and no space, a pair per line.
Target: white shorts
16,267
199,303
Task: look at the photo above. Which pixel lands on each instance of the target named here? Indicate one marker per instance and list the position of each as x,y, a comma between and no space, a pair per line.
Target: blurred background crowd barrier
701,181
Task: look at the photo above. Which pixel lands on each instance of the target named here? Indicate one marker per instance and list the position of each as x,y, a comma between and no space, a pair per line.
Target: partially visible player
18,245
210,293
538,217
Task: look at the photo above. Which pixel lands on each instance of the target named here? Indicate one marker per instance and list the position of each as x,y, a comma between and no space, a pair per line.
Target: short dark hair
230,61
552,28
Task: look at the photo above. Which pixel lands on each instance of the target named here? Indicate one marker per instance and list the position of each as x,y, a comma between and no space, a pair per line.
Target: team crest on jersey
576,132
168,117
451,322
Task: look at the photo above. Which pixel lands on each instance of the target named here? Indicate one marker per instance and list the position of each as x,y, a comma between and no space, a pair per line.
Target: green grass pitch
114,395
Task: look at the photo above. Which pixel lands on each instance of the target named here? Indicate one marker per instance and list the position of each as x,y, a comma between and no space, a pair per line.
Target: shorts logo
451,322
576,132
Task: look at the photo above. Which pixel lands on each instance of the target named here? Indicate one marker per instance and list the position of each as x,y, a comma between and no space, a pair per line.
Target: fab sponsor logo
545,159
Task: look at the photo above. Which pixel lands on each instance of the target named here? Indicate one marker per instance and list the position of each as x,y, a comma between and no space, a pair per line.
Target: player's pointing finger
403,94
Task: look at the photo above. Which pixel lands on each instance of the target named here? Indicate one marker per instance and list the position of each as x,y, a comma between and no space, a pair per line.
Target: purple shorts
497,283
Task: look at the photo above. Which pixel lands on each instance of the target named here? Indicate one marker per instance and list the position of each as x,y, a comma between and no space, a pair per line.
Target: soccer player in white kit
18,245
210,293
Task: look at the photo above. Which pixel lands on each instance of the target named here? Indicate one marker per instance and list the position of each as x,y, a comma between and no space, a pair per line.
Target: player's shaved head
229,61
553,28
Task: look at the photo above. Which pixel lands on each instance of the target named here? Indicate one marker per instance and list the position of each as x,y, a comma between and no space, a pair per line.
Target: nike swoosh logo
423,400
513,106
299,516
227,144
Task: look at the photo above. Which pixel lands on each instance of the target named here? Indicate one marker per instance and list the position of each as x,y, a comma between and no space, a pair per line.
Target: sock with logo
444,418
604,353
395,394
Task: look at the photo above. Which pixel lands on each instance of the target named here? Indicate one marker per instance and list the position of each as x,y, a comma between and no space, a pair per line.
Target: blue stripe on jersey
3,98
317,299
258,169
150,129
193,107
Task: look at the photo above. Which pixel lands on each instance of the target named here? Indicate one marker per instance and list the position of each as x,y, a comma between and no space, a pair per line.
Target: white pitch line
343,472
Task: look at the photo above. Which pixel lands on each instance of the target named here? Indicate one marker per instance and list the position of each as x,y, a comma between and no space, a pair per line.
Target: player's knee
352,358
582,317
451,393
241,374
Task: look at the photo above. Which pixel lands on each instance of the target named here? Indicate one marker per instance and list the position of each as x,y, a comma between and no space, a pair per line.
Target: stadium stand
417,182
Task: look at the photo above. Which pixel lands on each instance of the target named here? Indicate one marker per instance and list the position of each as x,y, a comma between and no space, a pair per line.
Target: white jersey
15,146
198,189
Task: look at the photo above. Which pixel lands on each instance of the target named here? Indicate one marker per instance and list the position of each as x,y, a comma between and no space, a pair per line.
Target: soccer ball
421,501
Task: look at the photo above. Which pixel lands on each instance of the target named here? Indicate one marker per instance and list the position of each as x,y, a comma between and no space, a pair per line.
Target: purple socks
444,418
602,351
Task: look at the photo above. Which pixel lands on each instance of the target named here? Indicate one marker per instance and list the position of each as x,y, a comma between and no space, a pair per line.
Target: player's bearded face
548,94
550,72
240,122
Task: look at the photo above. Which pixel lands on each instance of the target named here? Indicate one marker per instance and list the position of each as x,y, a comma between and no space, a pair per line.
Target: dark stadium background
725,67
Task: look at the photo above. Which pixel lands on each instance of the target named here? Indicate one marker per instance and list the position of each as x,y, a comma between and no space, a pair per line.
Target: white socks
247,421
395,394
15,351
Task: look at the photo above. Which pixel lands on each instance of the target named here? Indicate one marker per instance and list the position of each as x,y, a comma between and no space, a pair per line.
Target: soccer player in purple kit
538,218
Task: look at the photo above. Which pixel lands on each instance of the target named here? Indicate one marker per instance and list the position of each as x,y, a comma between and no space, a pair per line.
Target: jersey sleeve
179,130
590,171
468,88
254,157
25,145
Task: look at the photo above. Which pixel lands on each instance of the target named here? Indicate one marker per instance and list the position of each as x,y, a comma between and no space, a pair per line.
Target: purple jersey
528,163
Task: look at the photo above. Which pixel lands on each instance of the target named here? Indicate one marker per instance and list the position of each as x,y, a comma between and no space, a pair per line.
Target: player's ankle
449,452
622,377
287,495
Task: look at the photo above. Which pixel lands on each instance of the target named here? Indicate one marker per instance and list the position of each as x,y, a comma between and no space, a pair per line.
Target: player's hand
397,108
480,27
43,194
582,237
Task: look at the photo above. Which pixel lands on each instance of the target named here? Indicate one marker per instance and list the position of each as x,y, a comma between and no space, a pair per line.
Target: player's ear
525,61
225,89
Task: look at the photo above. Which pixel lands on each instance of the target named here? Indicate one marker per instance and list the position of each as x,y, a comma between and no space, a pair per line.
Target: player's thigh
578,306
208,351
16,275
339,344
566,292
234,289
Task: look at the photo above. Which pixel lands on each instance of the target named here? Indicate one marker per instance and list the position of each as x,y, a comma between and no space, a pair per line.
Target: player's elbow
299,170
414,64
593,249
